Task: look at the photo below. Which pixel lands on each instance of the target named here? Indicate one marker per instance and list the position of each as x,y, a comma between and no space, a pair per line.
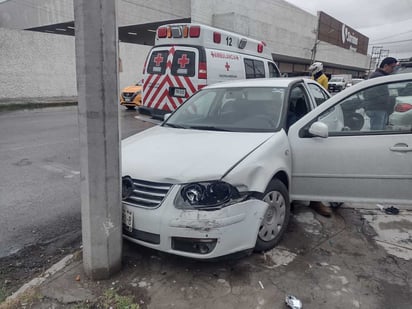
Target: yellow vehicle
131,96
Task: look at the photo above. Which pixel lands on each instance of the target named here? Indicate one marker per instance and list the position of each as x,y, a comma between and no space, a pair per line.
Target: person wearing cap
316,69
378,104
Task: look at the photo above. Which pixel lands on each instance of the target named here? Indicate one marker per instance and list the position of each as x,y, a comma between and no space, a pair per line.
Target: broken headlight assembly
207,195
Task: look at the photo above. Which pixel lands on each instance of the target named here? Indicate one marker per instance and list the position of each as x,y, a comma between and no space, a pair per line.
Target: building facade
37,43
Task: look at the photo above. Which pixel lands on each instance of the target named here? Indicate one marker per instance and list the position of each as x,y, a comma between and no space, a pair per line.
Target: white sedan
217,177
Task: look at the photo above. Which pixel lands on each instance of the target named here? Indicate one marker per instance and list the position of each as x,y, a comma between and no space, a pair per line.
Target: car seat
301,108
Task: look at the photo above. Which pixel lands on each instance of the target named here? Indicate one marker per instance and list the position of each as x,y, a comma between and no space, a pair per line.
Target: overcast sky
387,23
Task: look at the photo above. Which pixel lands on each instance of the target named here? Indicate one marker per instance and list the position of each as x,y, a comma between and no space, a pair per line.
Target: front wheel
276,218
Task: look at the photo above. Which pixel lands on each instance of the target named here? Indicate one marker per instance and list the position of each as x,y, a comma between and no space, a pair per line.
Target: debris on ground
391,210
292,302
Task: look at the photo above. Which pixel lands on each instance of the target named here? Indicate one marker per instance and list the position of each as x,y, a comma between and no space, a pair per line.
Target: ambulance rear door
172,75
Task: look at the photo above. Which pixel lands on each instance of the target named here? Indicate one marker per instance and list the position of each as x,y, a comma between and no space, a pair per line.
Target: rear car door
350,161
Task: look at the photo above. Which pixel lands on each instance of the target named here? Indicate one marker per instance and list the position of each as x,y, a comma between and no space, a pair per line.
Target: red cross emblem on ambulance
182,61
227,66
158,59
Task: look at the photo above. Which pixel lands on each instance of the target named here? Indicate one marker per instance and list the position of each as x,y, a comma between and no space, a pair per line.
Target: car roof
259,82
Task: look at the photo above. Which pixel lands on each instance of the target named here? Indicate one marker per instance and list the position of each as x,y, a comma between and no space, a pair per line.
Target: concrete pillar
97,85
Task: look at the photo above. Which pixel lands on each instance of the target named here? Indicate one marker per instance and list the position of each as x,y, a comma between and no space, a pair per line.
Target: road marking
61,169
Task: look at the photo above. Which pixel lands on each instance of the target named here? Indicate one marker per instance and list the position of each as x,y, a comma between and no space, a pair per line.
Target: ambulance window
157,62
254,68
273,70
184,63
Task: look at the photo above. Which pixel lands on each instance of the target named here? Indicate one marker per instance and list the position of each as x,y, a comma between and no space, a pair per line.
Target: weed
110,298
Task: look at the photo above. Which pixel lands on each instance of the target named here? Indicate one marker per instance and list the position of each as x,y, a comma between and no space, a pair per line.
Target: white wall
133,57
23,14
285,28
133,12
40,65
35,64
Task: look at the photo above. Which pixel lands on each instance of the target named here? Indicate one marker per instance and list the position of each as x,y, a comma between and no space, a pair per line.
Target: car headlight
207,195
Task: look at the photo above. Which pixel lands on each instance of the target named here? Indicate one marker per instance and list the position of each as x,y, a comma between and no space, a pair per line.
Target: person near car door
378,104
316,69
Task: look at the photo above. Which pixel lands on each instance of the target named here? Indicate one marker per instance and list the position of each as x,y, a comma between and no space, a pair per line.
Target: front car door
356,160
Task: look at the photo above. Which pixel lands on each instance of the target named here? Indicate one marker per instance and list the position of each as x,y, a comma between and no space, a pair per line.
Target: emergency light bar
193,31
178,32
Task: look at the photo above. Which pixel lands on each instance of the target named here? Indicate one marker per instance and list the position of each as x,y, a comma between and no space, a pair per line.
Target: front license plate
180,92
128,219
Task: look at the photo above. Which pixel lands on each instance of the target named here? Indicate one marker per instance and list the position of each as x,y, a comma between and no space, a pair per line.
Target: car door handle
401,147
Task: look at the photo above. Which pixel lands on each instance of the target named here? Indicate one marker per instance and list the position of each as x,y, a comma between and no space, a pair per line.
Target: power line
395,34
401,41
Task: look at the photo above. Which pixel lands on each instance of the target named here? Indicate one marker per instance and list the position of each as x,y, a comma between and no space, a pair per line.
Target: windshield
255,109
335,79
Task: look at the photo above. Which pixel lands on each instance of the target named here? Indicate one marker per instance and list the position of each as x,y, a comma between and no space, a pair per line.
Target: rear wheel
130,107
276,218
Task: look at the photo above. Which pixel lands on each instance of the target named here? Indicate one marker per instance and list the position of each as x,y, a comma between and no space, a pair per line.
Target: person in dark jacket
377,100
386,67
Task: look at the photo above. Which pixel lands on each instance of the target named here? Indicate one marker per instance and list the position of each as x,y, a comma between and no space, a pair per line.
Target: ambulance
187,57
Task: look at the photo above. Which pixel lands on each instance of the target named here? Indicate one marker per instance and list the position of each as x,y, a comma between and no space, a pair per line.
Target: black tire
276,218
130,107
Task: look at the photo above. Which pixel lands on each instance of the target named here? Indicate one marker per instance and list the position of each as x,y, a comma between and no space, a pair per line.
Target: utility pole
376,50
97,84
382,54
315,46
313,50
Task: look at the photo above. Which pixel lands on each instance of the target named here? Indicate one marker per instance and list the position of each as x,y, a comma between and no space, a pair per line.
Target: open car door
366,156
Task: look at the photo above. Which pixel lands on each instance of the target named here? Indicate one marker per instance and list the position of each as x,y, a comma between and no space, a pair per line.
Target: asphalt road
40,170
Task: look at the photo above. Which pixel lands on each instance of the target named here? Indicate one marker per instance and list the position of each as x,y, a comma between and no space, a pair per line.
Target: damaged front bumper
195,233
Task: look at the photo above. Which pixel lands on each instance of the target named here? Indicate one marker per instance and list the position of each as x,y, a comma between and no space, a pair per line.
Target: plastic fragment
380,207
391,210
292,302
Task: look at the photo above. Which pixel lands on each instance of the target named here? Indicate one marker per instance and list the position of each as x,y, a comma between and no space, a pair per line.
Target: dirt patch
32,261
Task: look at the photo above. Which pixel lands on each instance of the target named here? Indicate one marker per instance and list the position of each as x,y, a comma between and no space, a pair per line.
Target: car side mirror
319,129
165,116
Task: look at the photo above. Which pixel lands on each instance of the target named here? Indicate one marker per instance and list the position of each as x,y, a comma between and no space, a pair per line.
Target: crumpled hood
163,154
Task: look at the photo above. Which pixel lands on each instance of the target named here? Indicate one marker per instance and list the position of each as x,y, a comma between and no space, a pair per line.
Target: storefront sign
334,32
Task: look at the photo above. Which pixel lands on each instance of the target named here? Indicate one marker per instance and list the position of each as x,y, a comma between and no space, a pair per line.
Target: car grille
147,194
128,94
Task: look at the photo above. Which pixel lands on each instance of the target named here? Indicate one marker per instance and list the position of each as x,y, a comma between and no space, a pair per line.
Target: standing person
378,103
386,67
316,69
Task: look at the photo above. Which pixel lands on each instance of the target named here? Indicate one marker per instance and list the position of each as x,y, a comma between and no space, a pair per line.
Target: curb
39,280
17,106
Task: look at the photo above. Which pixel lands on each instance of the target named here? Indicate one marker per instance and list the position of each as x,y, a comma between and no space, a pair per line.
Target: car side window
273,70
318,93
254,68
298,106
378,109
